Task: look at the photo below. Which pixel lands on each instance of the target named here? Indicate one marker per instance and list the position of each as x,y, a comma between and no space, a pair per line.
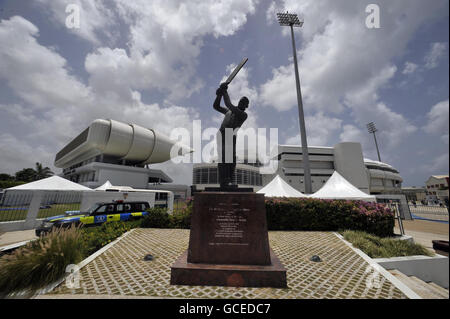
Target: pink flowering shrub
329,215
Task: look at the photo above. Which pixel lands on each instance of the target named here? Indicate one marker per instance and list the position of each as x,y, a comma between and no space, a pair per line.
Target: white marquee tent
53,183
279,188
104,187
337,187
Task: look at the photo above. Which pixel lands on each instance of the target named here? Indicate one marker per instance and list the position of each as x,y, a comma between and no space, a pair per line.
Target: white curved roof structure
128,142
337,187
279,188
53,183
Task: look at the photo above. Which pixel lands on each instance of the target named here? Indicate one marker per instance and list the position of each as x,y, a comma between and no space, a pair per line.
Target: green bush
95,238
43,261
376,247
156,218
182,218
159,218
329,215
40,262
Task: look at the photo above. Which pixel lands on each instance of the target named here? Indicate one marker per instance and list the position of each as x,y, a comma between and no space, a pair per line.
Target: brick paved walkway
121,270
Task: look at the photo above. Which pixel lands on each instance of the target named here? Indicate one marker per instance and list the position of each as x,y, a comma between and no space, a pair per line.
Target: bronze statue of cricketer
235,116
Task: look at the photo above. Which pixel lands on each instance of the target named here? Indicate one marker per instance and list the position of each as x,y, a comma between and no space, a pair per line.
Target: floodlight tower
291,20
372,129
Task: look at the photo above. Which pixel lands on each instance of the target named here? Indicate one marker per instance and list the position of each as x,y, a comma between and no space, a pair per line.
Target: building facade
437,187
416,194
110,150
246,175
384,179
346,158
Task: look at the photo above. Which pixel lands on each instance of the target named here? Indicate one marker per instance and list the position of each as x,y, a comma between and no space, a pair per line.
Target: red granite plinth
229,244
197,274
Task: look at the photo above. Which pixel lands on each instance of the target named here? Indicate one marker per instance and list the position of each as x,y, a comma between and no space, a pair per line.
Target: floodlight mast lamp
372,129
291,20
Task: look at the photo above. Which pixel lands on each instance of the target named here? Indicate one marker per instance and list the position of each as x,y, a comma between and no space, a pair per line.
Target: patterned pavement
122,270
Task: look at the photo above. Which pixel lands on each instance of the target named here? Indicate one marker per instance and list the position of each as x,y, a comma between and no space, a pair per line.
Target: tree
6,177
30,174
26,175
42,172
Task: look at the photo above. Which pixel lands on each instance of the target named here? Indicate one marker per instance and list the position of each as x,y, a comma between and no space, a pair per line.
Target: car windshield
93,208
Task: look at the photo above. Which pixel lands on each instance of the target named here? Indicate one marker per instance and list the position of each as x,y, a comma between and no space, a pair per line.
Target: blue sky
158,64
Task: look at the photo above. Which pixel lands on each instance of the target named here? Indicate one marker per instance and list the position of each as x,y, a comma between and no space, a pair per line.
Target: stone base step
420,287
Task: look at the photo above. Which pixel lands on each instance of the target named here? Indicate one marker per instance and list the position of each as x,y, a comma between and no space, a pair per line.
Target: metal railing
429,212
20,210
397,216
57,203
14,206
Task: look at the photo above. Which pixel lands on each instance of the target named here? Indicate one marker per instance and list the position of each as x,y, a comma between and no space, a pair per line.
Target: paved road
13,237
424,231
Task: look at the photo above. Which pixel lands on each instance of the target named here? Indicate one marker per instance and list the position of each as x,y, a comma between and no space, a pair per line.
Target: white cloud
432,58
351,133
438,121
17,154
409,68
438,165
320,130
280,92
56,105
343,65
164,41
95,17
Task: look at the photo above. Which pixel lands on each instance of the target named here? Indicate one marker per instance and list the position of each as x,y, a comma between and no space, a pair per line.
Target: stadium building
346,158
110,150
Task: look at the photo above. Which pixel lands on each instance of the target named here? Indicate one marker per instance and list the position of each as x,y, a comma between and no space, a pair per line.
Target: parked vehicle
98,214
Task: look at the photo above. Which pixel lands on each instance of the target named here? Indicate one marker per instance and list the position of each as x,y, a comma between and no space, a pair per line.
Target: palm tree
42,172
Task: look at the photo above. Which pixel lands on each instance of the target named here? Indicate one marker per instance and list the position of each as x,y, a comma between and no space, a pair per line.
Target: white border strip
81,264
396,282
15,245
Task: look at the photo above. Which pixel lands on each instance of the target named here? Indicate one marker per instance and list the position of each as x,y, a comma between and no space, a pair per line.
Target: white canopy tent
104,187
279,188
53,183
337,187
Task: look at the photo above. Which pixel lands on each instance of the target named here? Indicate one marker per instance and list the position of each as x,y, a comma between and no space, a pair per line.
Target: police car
98,214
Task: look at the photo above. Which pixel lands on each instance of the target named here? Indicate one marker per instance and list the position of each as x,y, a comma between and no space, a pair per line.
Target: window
246,180
140,207
161,196
203,176
239,176
100,211
110,208
213,176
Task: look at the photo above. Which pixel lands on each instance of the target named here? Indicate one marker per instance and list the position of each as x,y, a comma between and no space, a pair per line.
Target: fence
400,199
25,209
15,206
429,212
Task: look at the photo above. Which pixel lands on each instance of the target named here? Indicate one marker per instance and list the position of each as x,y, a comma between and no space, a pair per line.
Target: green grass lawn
377,247
12,214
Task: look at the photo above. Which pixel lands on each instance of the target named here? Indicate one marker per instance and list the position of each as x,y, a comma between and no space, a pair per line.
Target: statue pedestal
229,244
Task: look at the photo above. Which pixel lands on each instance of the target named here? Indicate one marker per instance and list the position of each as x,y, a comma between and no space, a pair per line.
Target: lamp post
291,20
372,129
